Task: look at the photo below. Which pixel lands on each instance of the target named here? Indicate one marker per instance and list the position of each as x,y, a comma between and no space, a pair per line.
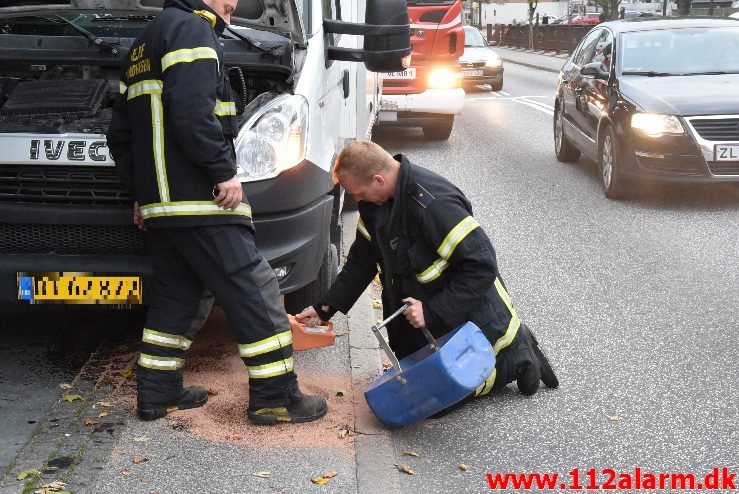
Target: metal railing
558,38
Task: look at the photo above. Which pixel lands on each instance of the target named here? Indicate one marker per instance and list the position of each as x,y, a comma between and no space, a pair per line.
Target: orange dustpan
308,337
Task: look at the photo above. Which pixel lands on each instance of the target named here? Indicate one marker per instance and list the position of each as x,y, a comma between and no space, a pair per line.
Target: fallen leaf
340,392
343,432
126,472
261,475
126,373
236,438
71,398
376,303
411,453
378,320
52,487
140,459
105,404
463,467
141,439
319,480
330,474
65,386
212,392
404,469
103,414
28,473
91,422
615,418
386,366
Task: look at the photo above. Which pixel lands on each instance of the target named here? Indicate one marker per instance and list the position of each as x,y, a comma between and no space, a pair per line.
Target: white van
290,62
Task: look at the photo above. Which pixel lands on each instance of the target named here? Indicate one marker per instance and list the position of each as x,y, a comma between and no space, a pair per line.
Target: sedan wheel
563,149
610,166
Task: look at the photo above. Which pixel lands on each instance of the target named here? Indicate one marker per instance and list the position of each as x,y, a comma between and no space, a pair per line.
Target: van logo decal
76,150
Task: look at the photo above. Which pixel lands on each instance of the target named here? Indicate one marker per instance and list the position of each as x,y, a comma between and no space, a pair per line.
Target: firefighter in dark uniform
417,230
171,136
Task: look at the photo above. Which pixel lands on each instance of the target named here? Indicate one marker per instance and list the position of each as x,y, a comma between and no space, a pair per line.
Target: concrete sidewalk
549,61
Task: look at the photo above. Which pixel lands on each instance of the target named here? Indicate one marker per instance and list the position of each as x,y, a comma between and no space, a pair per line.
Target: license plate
472,72
79,288
726,152
409,73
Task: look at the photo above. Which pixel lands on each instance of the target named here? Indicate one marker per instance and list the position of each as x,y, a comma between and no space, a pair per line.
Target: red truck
428,93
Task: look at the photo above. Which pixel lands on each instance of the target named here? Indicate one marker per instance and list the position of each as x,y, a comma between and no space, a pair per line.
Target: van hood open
279,16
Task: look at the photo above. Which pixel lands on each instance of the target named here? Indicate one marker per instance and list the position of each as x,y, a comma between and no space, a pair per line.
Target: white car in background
480,64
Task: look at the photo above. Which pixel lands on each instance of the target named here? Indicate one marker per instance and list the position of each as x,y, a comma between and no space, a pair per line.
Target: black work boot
191,397
528,372
301,408
548,377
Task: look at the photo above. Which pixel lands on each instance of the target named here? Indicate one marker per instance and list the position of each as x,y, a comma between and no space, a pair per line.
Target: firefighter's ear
378,179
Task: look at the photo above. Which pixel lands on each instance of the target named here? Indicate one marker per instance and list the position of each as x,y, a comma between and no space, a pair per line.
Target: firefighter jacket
172,130
426,244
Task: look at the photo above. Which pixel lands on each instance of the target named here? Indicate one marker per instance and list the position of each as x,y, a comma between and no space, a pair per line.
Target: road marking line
536,107
543,105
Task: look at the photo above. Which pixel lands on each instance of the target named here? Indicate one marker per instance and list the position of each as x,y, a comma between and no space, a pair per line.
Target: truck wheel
439,129
298,300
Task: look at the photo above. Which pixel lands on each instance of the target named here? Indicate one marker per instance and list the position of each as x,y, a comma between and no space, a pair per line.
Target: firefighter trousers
224,260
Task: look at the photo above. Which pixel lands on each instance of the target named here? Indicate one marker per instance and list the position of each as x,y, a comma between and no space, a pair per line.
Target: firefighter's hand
309,317
137,218
229,193
414,313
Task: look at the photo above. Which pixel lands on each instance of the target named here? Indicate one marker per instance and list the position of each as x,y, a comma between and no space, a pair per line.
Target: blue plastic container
431,379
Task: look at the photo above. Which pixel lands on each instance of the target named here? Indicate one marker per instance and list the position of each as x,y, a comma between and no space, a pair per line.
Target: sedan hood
477,54
684,95
267,15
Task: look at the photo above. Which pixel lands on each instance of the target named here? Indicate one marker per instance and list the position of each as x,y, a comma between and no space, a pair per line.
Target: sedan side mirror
595,69
387,36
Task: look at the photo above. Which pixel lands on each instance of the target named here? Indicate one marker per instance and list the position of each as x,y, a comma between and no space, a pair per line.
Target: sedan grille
81,185
23,238
472,65
717,129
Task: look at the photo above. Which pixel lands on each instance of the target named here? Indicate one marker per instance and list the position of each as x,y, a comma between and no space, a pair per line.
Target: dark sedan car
652,99
480,64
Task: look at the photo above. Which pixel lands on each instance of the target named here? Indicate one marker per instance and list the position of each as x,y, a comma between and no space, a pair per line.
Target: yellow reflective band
455,236
433,271
446,249
188,55
487,384
270,344
515,323
157,128
211,18
160,363
224,108
270,370
149,86
164,339
191,208
363,229
122,87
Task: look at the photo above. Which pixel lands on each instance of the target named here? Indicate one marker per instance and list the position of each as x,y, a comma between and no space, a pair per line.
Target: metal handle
381,339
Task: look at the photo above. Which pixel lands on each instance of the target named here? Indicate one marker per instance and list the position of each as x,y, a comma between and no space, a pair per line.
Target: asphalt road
636,303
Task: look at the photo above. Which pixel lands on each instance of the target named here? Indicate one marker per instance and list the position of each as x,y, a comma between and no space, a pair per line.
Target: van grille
80,185
21,238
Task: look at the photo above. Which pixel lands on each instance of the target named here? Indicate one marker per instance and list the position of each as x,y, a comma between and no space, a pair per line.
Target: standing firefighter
171,138
418,229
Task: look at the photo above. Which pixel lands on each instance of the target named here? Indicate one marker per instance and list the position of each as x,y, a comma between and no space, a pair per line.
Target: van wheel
439,129
301,298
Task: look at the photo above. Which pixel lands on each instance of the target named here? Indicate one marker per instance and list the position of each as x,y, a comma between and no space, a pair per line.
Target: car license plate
409,73
726,152
472,72
79,288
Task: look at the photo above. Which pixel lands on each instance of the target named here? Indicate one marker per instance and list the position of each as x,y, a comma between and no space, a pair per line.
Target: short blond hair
361,160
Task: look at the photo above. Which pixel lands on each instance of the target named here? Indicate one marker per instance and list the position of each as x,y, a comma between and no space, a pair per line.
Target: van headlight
444,78
273,140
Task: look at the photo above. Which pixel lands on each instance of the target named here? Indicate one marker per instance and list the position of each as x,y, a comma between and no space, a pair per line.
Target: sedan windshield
689,51
472,37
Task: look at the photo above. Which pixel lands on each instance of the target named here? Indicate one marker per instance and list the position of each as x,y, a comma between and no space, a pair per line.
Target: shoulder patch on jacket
422,196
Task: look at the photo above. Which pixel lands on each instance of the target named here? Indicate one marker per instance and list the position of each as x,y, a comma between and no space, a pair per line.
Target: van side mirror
386,36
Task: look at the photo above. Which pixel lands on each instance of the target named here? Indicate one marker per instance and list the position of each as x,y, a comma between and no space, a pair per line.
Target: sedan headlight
656,124
273,139
444,78
494,61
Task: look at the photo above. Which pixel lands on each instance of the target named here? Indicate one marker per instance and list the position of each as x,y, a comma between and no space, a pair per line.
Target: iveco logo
75,150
